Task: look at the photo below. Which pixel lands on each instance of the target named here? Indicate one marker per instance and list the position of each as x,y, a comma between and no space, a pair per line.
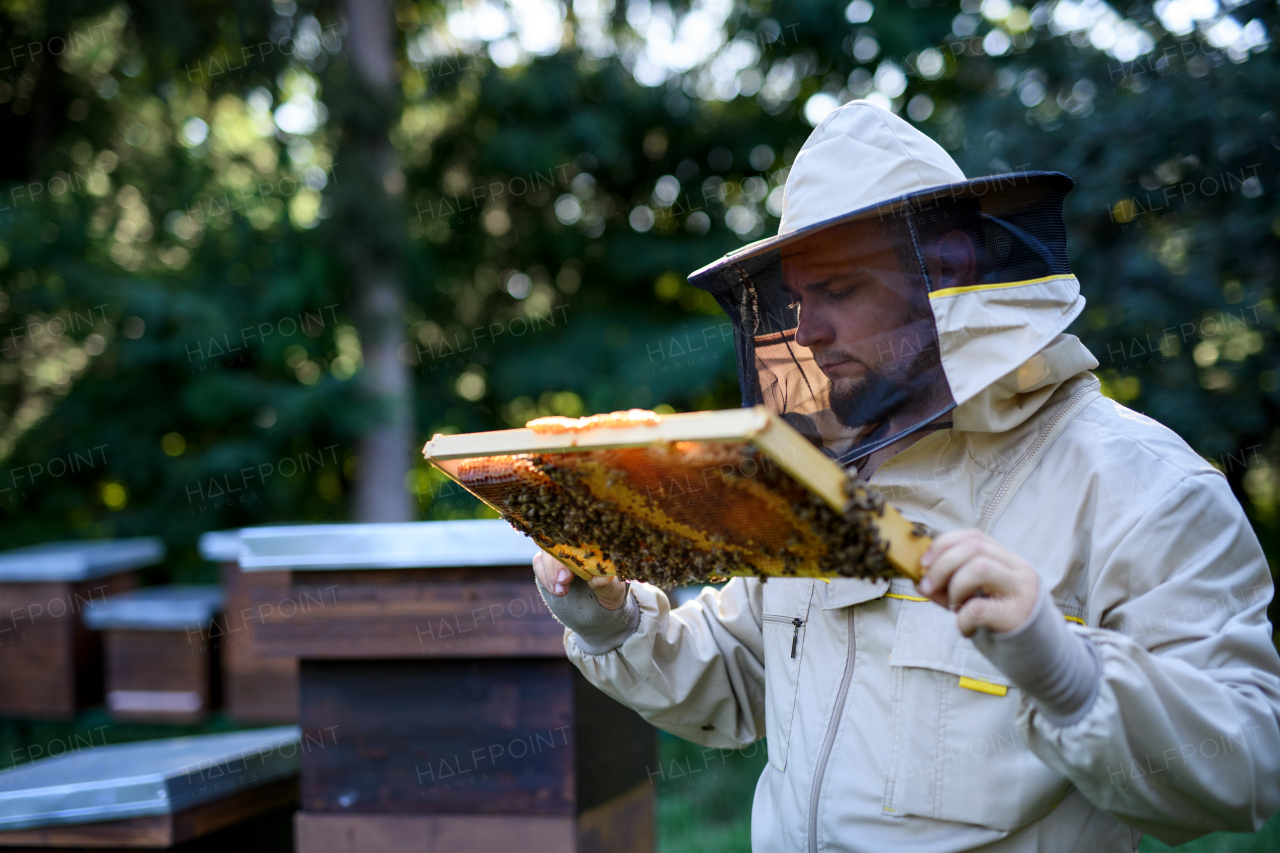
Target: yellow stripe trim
952,291
983,686
904,597
1073,619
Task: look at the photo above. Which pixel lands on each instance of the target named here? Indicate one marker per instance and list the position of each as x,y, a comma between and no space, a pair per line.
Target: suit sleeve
1184,735
696,671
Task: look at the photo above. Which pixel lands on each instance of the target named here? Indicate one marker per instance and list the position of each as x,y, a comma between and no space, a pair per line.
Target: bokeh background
254,254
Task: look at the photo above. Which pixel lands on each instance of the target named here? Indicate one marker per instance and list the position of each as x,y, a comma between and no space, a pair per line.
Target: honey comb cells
681,512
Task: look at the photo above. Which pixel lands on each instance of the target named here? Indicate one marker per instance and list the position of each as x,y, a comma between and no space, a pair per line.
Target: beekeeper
1088,657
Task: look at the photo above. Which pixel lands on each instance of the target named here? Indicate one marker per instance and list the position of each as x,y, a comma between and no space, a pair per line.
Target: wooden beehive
256,687
50,662
231,791
159,663
423,647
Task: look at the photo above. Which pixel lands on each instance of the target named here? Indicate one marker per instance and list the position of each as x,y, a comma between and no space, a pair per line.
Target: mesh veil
856,296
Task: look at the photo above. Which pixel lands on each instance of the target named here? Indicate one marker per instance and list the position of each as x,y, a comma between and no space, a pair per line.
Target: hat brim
1002,196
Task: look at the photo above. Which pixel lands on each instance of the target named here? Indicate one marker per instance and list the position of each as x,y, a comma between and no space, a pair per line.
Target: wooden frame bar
792,452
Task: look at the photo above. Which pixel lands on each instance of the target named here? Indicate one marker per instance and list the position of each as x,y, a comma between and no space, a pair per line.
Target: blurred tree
369,225
329,232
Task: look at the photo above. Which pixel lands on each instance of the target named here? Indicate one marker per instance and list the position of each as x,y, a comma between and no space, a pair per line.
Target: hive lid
156,608
220,546
78,561
146,778
421,544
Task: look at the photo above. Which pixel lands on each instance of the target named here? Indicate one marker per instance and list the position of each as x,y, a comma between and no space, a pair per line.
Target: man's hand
987,585
556,577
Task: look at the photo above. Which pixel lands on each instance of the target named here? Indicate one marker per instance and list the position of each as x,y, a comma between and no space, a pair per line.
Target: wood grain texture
158,831
211,817
139,832
466,736
170,661
362,833
50,664
257,687
623,825
440,736
402,614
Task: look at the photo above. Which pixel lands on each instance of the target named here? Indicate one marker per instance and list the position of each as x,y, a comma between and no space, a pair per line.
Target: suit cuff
595,629
1058,669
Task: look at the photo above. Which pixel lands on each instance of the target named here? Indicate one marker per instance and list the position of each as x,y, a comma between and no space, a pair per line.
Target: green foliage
181,242
1222,842
703,794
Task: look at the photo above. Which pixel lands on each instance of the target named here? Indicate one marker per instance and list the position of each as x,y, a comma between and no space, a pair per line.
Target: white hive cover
145,778
156,608
422,544
220,546
77,561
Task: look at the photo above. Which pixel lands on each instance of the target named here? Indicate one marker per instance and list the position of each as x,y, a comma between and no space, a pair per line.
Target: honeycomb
677,512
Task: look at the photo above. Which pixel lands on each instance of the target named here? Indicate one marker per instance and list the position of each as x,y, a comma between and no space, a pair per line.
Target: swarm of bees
682,512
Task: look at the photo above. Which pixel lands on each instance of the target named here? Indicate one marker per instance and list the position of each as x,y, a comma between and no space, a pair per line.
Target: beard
880,394
862,401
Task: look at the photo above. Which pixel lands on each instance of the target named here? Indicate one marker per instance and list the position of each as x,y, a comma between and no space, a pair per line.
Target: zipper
830,739
1046,433
795,622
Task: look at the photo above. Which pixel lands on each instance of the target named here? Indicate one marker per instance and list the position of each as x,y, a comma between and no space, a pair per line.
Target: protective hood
897,290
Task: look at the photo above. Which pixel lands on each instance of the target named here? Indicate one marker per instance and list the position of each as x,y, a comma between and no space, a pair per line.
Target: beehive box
50,662
154,794
159,663
429,656
256,687
683,498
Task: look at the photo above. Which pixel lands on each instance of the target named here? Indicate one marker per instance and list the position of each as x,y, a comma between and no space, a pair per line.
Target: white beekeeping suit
1143,694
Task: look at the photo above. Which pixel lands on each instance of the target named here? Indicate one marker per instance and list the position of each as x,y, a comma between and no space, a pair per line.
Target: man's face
864,314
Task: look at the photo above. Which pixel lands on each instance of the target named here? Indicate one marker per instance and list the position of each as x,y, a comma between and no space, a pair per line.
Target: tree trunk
373,226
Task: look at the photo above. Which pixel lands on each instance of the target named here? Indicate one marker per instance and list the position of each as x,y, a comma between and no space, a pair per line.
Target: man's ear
951,260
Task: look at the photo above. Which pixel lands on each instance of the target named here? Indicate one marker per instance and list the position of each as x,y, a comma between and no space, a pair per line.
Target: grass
704,804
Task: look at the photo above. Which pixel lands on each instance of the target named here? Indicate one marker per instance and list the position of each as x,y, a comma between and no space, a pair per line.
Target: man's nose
813,329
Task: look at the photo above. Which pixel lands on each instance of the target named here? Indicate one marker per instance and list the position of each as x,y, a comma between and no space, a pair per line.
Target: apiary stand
438,679
256,688
50,663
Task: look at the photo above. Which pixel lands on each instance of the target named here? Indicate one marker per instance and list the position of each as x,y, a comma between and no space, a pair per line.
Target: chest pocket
958,753
786,603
